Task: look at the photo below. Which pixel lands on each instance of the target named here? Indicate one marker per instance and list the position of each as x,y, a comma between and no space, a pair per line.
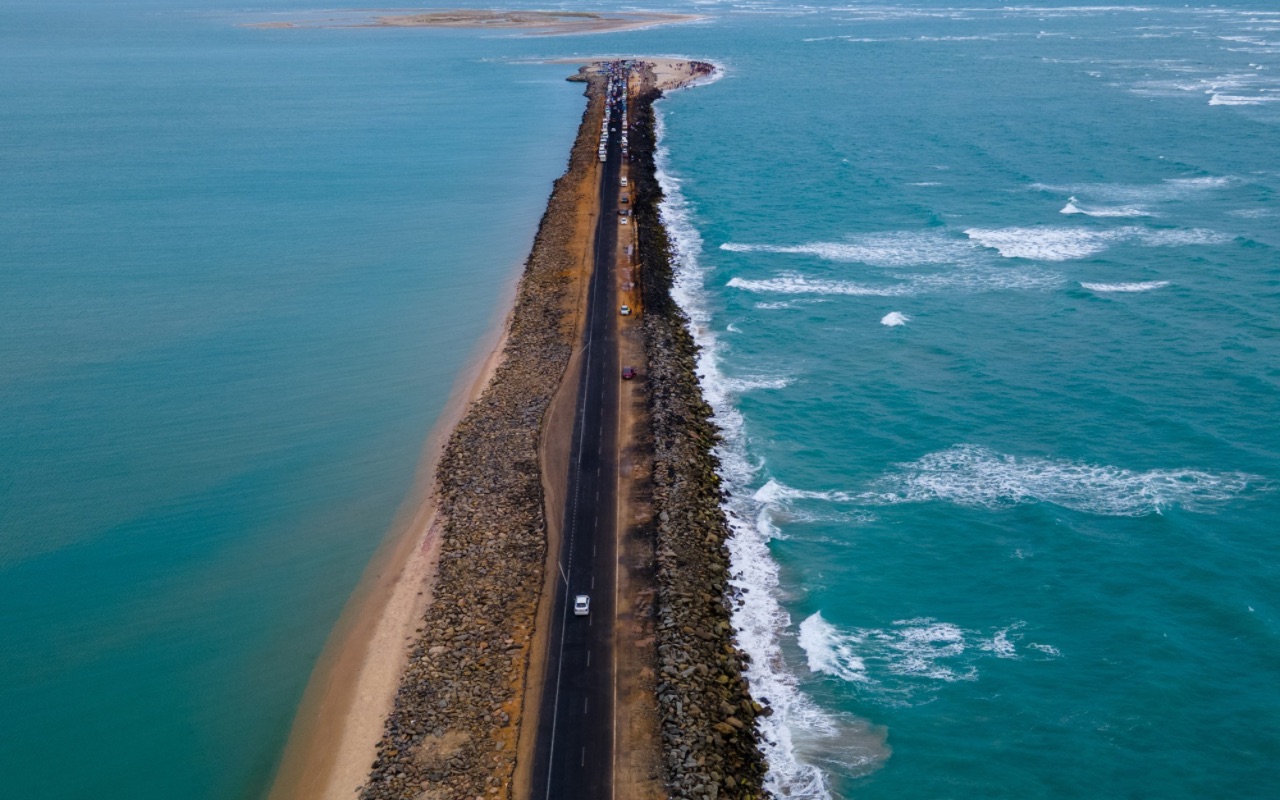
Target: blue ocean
989,301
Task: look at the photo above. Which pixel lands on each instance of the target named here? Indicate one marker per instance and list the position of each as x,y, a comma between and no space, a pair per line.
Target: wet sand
353,686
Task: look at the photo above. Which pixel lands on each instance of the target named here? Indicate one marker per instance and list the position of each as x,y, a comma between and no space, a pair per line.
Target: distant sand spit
537,23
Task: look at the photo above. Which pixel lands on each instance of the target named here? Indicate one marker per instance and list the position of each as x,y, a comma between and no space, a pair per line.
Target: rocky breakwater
453,731
710,741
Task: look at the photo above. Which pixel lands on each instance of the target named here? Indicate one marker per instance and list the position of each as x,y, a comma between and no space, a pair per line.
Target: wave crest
1140,286
1074,206
969,475
968,280
893,249
1064,244
910,656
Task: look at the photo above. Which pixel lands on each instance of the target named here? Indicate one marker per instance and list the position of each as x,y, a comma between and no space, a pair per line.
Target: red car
628,373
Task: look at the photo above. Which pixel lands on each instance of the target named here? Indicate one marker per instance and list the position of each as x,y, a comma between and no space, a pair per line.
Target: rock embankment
456,720
709,737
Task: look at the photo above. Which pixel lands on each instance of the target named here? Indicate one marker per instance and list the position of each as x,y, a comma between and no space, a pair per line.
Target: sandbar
535,23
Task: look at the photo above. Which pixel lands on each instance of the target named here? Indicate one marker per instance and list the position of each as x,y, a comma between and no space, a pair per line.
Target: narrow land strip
454,728
461,612
535,23
709,738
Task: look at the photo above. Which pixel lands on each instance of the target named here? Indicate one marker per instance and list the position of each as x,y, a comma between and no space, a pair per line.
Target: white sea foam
799,732
894,249
782,304
1044,244
1180,237
830,653
791,283
1143,286
894,318
1167,190
966,280
775,493
1218,99
1206,182
752,383
1251,213
1074,206
910,657
1063,244
969,475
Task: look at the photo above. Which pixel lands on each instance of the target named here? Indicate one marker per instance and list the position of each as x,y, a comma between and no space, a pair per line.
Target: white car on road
581,605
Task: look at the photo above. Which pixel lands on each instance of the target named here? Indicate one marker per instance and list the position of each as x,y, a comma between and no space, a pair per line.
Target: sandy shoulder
353,686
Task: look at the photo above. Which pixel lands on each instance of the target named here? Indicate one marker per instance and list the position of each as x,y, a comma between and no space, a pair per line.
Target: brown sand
537,23
352,690
353,687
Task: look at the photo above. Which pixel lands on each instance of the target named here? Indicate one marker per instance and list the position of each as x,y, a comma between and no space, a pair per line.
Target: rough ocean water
990,306
988,301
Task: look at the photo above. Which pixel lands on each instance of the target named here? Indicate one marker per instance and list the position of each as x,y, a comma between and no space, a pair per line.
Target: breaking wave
911,656
1074,206
1064,244
896,249
970,475
972,280
894,318
1144,286
1167,190
1218,99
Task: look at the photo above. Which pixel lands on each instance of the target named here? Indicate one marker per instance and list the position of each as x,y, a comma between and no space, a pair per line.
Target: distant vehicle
624,220
626,198
625,311
624,180
628,373
581,605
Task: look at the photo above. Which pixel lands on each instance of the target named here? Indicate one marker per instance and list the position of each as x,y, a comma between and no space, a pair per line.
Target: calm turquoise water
240,272
1004,461
1020,545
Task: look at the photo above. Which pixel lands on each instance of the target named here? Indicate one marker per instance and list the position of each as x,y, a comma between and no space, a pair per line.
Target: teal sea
989,300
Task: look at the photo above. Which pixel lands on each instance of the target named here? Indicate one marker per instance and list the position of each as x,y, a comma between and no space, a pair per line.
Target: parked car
624,220
628,373
625,311
581,605
626,198
624,180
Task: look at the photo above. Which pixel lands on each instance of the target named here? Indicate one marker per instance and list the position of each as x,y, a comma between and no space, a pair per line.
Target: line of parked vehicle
615,100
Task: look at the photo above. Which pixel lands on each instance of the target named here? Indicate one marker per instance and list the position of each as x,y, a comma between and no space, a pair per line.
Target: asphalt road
575,743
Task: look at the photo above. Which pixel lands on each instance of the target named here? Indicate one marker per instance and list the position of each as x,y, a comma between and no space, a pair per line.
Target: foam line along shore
710,736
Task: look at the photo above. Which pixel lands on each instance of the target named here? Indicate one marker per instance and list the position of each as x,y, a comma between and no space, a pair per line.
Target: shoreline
351,690
360,684
710,732
458,712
